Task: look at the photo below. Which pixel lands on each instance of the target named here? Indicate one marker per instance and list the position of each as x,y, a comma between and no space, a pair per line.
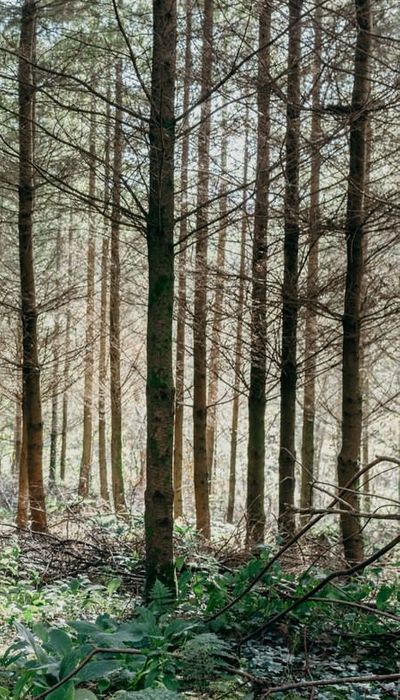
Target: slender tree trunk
86,459
23,485
256,441
215,354
201,475
288,382
17,436
56,364
18,410
352,400
238,341
32,409
181,313
64,419
115,301
160,248
103,371
103,323
310,362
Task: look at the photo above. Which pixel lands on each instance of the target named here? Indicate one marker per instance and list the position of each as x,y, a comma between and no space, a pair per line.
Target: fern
204,657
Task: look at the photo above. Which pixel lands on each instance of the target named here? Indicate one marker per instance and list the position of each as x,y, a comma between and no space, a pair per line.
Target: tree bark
288,380
32,409
310,352
181,313
115,302
214,361
102,454
64,419
201,475
256,441
160,248
352,399
238,341
86,459
56,364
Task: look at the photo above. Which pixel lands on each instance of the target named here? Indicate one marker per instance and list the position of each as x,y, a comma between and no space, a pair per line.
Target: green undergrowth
101,638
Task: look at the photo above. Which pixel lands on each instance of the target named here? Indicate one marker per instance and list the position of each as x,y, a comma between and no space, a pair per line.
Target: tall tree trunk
64,419
181,312
238,341
310,362
55,379
115,302
215,354
86,459
32,409
256,441
352,400
103,322
201,475
18,409
160,248
288,381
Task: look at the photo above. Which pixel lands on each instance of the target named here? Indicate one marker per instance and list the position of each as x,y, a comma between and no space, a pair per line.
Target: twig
93,652
389,677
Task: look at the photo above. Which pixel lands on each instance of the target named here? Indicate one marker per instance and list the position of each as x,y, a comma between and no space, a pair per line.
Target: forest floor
80,588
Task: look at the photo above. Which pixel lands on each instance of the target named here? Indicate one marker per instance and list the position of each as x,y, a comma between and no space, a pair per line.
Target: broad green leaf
60,641
64,692
98,669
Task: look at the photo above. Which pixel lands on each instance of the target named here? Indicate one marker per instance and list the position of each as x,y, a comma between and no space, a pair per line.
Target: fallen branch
388,678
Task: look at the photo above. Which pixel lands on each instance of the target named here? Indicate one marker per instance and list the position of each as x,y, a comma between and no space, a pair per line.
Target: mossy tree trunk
160,248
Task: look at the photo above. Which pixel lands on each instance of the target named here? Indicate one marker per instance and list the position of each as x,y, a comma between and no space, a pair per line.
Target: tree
288,379
115,292
310,351
257,399
86,459
238,339
181,312
354,232
32,408
201,475
160,251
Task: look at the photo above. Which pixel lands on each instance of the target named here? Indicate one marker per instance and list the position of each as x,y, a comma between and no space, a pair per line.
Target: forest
199,364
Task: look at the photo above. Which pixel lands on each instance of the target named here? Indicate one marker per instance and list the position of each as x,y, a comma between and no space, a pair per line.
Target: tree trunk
238,341
64,420
86,459
32,409
23,485
181,313
288,380
256,441
214,362
352,400
103,323
201,475
160,248
56,363
310,363
115,301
